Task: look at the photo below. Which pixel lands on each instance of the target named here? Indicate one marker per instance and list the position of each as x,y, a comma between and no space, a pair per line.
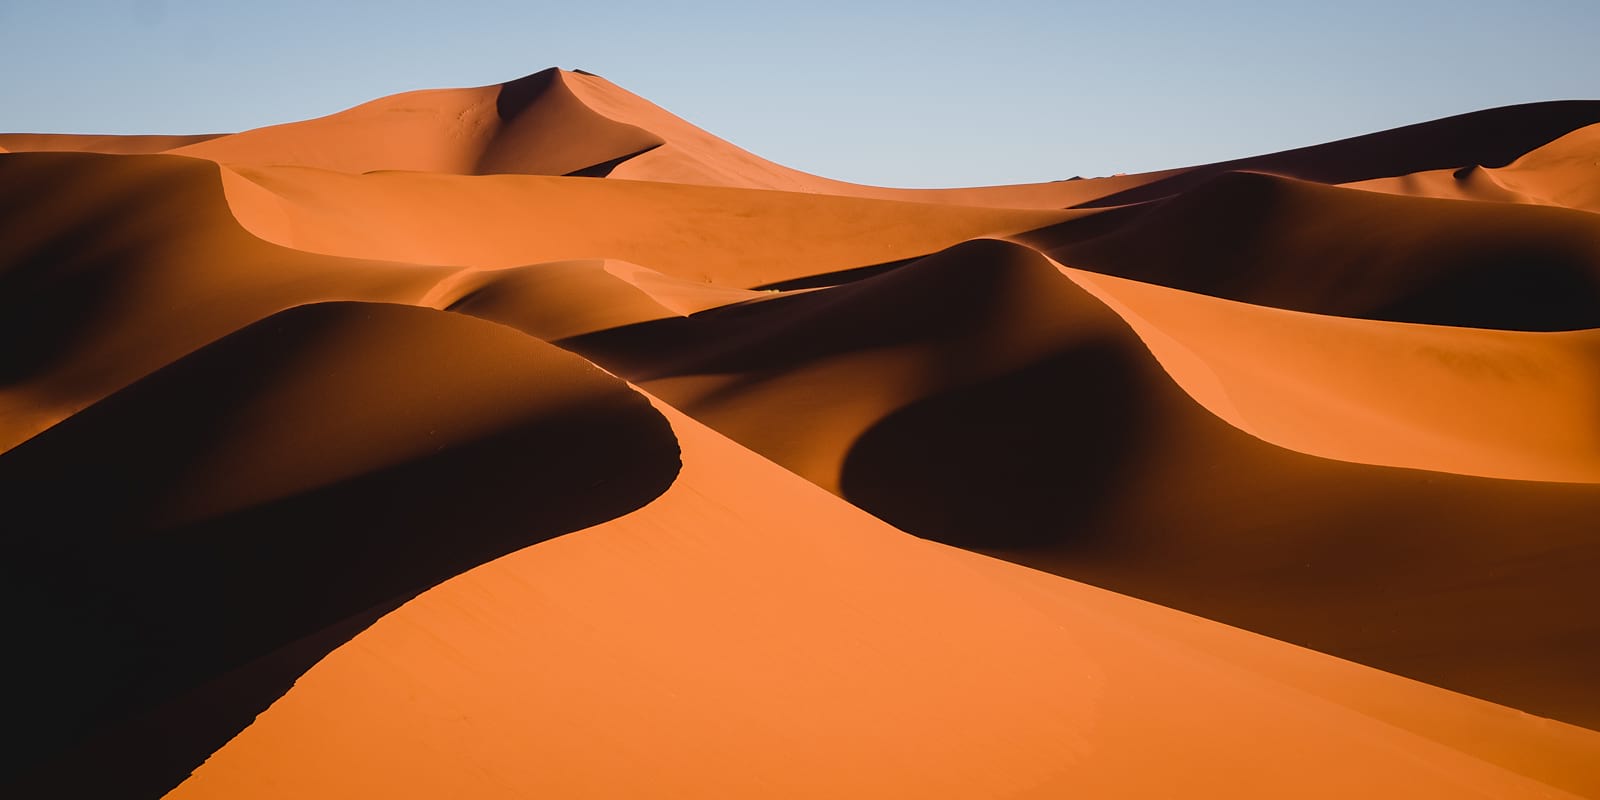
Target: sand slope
732,237
747,622
298,477
533,125
293,421
1293,244
1561,173
984,398
167,270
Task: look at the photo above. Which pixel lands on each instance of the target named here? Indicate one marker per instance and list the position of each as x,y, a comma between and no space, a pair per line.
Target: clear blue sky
925,93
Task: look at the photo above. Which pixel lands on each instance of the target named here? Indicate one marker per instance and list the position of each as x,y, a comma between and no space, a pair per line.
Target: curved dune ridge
300,475
527,440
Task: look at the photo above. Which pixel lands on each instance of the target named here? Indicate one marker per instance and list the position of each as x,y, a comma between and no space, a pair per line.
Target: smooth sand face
297,418
806,649
955,385
1561,173
739,238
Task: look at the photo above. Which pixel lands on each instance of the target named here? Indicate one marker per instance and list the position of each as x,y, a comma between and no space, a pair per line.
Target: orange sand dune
533,125
1465,183
1499,404
1493,137
302,475
293,422
744,620
1291,244
732,237
167,270
983,398
1564,172
562,299
1496,136
560,122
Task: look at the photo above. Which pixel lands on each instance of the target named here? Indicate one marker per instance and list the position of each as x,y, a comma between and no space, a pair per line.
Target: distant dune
528,441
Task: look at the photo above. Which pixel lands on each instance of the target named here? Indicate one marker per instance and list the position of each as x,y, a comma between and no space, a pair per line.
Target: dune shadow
1017,461
56,283
604,168
136,649
1520,290
516,96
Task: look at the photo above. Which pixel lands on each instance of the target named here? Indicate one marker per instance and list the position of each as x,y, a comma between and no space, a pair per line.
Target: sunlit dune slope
983,398
561,299
533,125
1498,404
732,237
1565,172
279,487
747,620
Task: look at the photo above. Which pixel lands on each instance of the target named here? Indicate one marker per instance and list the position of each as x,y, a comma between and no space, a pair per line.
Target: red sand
290,445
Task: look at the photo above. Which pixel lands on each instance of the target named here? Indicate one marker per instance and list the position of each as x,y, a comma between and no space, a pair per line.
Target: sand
527,440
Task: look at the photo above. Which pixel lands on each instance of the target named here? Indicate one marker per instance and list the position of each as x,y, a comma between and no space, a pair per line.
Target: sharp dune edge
527,440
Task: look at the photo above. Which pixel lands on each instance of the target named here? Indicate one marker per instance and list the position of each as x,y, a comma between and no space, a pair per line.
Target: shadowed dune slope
166,270
744,619
732,237
1302,246
984,399
296,477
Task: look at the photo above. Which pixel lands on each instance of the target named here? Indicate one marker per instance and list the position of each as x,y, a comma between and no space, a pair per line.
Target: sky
925,93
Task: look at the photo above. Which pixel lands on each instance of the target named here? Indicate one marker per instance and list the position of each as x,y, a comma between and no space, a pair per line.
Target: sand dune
1499,404
1561,173
572,122
167,270
533,125
322,478
751,628
304,474
1493,137
1307,247
737,238
983,398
